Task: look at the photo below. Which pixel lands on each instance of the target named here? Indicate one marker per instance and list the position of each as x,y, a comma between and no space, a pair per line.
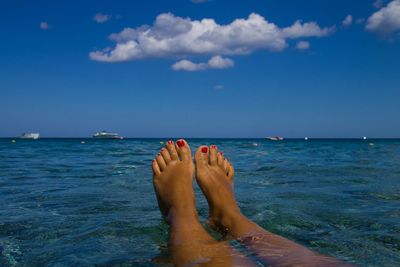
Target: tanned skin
189,243
214,175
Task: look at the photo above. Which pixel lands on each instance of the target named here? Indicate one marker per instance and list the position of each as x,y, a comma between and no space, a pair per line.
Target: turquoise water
63,203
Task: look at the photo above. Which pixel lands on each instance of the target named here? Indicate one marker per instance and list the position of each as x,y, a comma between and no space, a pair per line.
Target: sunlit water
63,203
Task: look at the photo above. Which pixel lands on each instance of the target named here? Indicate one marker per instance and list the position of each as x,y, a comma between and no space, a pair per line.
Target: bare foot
189,243
173,174
214,174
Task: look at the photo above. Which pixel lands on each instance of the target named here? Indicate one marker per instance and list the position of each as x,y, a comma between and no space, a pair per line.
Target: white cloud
348,20
216,62
172,36
44,25
219,87
219,62
386,20
303,45
199,1
188,65
101,18
308,29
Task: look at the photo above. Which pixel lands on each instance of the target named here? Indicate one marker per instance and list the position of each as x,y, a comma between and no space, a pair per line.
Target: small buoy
83,142
306,138
13,141
364,138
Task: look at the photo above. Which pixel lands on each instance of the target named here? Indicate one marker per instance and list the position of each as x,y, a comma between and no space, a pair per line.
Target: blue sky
61,74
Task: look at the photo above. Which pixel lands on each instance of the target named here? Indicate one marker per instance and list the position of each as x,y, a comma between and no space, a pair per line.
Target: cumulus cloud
172,36
303,45
308,29
44,25
101,18
199,1
348,20
386,20
216,62
219,62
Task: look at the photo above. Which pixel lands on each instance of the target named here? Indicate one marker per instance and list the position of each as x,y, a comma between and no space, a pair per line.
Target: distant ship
275,138
32,136
107,135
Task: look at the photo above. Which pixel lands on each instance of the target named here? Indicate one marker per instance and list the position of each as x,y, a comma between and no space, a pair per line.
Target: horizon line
266,138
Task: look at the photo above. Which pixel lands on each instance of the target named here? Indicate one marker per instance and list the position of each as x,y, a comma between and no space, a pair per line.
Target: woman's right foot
214,175
215,178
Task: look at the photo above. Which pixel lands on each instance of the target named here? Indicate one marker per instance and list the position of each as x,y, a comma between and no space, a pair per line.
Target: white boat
275,138
107,135
32,136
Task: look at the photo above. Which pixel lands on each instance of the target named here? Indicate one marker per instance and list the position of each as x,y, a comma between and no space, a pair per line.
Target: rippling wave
64,203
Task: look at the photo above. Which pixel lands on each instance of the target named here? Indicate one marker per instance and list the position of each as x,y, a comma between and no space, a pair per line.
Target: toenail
180,143
221,153
158,154
204,149
170,142
214,147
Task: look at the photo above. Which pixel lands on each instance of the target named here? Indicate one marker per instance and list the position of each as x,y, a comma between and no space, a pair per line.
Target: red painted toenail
214,147
221,153
180,143
170,142
158,154
204,149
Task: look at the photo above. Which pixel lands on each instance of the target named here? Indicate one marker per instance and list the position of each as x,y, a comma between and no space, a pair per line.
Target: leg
214,174
189,243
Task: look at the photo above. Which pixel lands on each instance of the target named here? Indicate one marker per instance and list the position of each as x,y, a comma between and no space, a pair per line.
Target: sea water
68,203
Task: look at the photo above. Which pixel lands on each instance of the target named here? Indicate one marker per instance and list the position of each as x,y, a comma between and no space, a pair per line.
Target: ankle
235,224
226,220
182,216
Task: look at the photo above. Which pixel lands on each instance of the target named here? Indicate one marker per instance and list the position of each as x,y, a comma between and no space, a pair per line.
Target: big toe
202,156
183,149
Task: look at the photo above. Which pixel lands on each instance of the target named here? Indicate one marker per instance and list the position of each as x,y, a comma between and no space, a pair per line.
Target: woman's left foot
173,173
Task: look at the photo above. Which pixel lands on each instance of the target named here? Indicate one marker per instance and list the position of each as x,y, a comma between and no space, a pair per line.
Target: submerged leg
189,243
214,174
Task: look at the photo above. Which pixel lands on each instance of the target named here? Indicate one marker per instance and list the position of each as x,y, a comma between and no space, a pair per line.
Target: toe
213,155
231,171
225,166
155,167
183,150
160,161
172,151
165,155
220,159
201,156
